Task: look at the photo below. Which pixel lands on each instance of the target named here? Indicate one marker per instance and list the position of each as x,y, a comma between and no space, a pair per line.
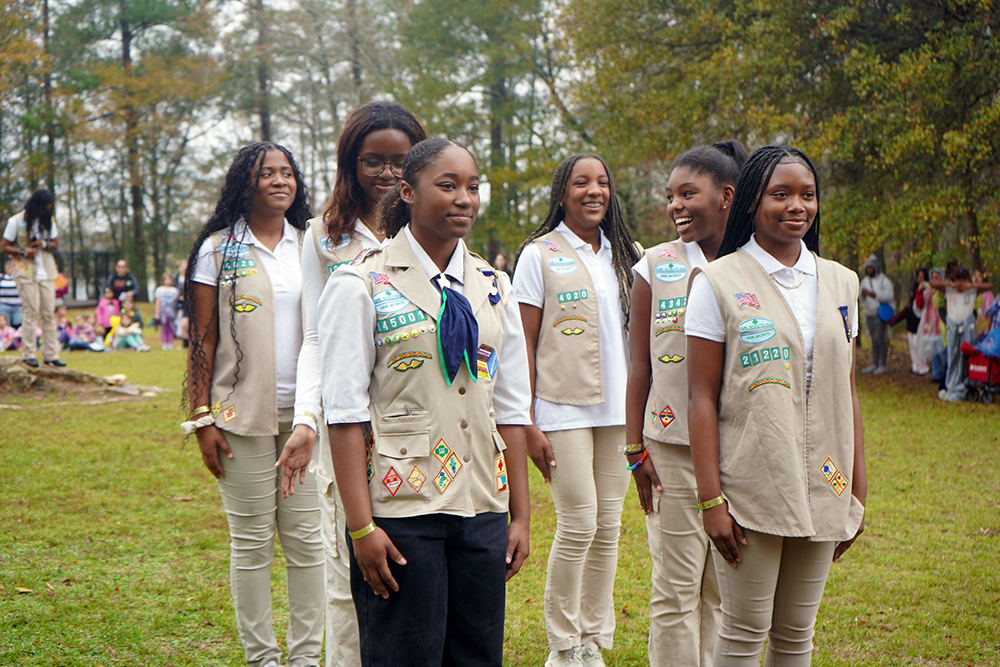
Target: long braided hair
235,203
37,217
347,201
393,212
754,177
623,251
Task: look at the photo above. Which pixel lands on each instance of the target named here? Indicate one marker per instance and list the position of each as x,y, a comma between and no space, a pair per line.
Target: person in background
876,290
83,336
128,307
107,308
10,302
983,302
914,315
63,327
500,263
30,238
10,337
165,304
931,329
960,304
128,335
122,281
181,321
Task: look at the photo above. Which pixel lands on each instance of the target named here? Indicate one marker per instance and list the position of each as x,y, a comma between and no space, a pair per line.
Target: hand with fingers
540,451
646,480
517,547
846,544
372,553
724,532
211,442
295,457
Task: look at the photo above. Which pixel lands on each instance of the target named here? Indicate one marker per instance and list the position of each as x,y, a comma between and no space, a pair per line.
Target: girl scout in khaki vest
775,426
573,278
425,390
684,606
244,289
376,138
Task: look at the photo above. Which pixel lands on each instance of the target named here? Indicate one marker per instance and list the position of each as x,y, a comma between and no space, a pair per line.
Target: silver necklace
781,284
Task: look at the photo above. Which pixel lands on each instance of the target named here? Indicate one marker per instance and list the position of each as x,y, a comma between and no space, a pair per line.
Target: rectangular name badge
486,362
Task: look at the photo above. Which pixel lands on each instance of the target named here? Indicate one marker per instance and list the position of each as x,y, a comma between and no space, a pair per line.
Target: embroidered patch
379,278
442,450
747,299
572,331
554,247
486,362
229,414
775,353
452,465
217,408
671,358
671,304
389,301
568,318
245,303
442,480
671,272
326,244
333,267
364,254
238,264
233,250
666,252
829,469
763,381
836,478
500,473
392,481
416,479
575,295
562,265
847,326
386,324
371,469
666,416
405,361
756,330
666,329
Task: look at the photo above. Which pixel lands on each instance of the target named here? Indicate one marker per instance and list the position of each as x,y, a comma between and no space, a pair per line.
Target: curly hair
37,216
347,201
754,177
235,203
624,253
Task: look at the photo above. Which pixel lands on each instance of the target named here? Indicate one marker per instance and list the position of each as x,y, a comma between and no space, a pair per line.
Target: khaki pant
684,607
773,595
588,488
38,301
251,494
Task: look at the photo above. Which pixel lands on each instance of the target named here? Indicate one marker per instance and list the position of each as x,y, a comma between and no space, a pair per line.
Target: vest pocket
401,468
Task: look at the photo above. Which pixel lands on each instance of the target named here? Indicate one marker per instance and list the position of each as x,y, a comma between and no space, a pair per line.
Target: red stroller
983,383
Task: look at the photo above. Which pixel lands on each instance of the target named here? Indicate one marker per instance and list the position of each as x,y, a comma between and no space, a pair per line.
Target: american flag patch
747,299
554,247
379,278
667,252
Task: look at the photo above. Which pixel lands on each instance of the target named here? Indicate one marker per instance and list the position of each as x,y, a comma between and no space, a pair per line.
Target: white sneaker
567,658
881,370
869,369
590,655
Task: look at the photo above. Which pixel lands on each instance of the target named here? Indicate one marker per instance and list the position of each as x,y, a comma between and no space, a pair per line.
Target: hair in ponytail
722,161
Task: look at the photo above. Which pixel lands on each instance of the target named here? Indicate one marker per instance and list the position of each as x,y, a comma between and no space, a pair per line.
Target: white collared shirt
284,270
703,319
11,231
346,328
308,393
530,288
696,257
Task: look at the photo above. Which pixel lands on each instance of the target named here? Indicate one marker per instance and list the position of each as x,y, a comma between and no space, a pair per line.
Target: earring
724,207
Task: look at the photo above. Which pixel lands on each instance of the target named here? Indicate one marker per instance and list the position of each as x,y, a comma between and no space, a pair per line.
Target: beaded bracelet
642,459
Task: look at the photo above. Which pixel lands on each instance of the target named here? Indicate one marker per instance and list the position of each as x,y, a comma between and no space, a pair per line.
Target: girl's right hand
371,552
211,440
724,532
540,451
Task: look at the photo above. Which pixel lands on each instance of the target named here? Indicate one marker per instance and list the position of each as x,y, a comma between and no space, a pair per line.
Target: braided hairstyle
37,217
235,203
754,177
393,212
623,251
347,201
722,161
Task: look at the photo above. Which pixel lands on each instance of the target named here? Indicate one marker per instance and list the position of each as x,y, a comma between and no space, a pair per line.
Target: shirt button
402,450
461,391
464,424
466,458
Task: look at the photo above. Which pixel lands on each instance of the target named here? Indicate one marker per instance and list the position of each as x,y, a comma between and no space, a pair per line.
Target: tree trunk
263,103
137,254
352,30
50,130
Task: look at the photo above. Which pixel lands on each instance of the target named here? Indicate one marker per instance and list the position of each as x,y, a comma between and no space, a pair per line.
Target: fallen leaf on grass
21,589
183,499
50,586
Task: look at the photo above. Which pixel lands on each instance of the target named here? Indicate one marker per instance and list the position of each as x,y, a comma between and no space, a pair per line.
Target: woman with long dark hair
243,288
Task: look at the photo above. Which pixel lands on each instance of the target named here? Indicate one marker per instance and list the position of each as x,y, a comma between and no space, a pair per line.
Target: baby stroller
983,368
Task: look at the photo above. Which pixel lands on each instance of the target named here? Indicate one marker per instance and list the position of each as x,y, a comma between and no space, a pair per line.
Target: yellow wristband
361,532
200,410
636,448
709,504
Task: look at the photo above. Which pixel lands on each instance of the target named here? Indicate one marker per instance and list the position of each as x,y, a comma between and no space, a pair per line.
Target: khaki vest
568,352
27,268
333,254
243,398
434,448
786,457
666,408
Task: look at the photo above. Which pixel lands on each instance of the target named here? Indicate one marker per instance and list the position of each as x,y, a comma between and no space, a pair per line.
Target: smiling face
445,201
381,146
696,205
587,196
787,208
276,186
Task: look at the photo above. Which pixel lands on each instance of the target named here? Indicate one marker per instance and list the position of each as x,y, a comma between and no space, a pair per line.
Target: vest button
464,424
461,391
466,458
402,450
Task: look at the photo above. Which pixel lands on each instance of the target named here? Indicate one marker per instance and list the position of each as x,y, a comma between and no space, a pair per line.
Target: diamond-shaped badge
666,416
416,479
452,465
442,450
392,481
442,480
829,470
839,483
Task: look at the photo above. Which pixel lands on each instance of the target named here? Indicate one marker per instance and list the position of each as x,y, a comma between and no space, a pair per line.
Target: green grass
118,531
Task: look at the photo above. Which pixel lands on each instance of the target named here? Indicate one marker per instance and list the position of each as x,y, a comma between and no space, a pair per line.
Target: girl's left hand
844,546
295,457
517,547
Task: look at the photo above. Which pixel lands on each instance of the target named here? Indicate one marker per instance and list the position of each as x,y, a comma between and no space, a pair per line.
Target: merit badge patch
442,450
671,272
394,322
442,480
378,278
333,267
229,414
562,265
234,250
389,301
406,361
452,465
666,416
416,479
392,481
747,299
667,329
572,329
245,303
326,244
671,358
500,468
667,252
834,476
575,295
371,469
761,382
217,408
486,362
554,247
756,330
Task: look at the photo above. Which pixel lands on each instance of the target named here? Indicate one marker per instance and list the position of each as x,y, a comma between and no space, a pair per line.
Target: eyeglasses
374,167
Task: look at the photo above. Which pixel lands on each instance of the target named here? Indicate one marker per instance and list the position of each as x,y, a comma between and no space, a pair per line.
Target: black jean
450,606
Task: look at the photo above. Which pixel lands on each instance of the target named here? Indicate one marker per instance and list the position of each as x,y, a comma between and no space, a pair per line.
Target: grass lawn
114,548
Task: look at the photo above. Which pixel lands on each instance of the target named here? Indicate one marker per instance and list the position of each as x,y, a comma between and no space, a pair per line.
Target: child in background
10,338
128,307
983,302
106,307
83,337
165,300
63,327
128,335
